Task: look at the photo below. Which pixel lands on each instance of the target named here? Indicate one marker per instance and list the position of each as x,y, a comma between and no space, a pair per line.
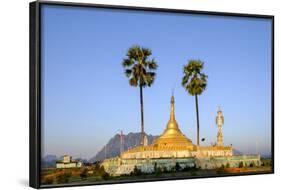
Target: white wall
14,50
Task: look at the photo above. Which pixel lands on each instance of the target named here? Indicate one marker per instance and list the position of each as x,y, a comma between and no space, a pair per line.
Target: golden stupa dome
172,136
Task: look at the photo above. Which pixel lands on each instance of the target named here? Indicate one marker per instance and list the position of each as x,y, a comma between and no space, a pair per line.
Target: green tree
84,174
155,166
165,170
63,178
158,172
141,72
105,176
177,167
48,180
241,165
194,82
227,165
101,172
137,171
96,167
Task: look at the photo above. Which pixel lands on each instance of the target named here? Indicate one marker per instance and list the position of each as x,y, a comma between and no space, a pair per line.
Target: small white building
67,162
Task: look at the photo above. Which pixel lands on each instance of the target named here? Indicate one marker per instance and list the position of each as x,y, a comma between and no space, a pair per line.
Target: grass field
82,175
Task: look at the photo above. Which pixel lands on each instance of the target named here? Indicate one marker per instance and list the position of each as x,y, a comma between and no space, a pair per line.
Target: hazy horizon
86,97
60,156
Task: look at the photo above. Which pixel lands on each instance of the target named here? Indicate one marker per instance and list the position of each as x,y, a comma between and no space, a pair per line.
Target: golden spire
172,124
172,112
172,136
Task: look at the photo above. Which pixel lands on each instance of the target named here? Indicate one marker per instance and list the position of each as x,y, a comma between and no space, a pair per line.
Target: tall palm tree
140,71
194,82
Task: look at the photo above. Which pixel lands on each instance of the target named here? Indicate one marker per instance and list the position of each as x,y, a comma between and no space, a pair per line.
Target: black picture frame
35,87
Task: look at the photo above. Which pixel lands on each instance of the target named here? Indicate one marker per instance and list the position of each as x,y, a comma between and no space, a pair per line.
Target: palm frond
133,81
194,81
128,72
185,80
127,62
138,67
152,65
149,77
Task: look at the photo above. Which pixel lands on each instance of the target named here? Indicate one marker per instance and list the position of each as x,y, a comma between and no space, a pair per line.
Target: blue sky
87,98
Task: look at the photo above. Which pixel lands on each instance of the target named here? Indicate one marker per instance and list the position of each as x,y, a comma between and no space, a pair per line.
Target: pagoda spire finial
172,112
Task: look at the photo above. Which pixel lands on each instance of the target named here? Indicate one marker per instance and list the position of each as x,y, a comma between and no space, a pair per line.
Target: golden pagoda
172,136
171,143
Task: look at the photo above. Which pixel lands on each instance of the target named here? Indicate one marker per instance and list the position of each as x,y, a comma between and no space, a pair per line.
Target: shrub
241,165
137,171
188,168
165,170
105,176
220,169
158,171
84,174
63,178
48,180
96,168
155,167
101,169
227,165
177,167
193,173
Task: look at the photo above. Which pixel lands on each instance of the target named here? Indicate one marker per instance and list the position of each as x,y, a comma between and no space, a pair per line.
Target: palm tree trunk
197,115
142,123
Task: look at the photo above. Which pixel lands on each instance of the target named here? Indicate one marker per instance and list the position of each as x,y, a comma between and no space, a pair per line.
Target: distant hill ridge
113,146
237,152
49,161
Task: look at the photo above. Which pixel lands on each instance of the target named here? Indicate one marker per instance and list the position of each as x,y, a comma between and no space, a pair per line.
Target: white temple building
172,147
